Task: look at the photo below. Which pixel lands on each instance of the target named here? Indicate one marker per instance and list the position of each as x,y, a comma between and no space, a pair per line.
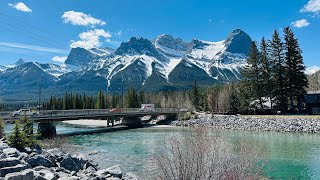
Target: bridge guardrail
84,112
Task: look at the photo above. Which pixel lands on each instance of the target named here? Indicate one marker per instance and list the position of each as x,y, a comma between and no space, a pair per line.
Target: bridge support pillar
47,130
132,122
110,121
168,119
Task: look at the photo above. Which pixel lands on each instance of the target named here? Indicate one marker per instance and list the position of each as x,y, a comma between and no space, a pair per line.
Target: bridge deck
63,115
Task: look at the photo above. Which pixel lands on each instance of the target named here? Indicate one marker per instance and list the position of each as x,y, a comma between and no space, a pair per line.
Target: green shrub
17,138
2,134
21,138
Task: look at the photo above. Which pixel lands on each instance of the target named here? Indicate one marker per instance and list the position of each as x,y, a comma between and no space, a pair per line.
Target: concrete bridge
130,117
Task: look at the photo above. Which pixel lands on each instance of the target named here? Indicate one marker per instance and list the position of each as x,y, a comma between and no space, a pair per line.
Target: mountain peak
171,45
238,41
137,46
80,57
20,62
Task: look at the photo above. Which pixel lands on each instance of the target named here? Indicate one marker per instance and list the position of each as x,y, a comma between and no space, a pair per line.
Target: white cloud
32,47
59,58
20,6
91,39
313,6
300,23
81,19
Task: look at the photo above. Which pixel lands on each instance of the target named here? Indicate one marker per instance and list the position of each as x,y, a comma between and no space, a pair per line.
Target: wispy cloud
60,59
20,6
32,47
91,39
119,33
81,19
313,6
300,23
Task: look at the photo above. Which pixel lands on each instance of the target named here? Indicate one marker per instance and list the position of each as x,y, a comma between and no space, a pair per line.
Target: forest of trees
274,75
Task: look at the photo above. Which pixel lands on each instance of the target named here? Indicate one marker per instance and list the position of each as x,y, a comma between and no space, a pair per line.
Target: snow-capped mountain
165,63
312,70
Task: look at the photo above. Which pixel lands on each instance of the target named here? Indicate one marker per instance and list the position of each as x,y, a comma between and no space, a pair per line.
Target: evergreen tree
296,78
27,129
234,101
17,139
278,72
253,75
195,96
266,71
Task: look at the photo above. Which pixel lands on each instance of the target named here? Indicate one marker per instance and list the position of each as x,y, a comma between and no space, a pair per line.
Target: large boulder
54,155
12,169
23,175
113,171
69,164
130,176
45,174
11,152
3,146
8,162
40,161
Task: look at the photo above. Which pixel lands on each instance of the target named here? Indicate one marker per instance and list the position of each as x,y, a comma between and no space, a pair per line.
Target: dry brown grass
198,155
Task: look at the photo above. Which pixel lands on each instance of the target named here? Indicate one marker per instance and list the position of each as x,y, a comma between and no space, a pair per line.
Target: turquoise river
290,155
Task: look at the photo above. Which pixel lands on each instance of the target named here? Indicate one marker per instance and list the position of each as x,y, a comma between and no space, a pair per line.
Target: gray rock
23,156
23,175
7,170
3,146
11,152
130,176
7,162
69,164
69,178
46,174
114,171
40,161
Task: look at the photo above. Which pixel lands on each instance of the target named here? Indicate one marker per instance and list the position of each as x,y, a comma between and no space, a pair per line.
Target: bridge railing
74,112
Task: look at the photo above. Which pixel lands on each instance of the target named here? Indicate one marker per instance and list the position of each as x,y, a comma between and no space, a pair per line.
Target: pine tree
17,139
195,96
278,72
297,80
266,70
253,75
234,101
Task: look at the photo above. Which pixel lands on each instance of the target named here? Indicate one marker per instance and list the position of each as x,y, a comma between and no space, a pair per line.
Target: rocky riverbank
53,164
288,124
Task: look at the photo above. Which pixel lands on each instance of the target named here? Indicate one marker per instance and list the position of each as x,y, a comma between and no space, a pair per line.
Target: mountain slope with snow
166,63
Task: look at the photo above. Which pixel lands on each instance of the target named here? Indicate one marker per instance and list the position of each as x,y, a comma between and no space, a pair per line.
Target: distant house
312,103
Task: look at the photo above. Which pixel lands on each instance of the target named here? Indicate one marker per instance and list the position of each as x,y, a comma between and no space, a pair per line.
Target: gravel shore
307,125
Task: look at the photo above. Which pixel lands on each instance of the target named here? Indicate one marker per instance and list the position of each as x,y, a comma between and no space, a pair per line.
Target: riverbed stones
39,160
12,169
53,164
7,162
287,124
23,175
113,171
130,176
11,152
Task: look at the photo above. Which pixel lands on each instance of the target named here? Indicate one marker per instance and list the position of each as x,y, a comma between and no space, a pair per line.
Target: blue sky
41,30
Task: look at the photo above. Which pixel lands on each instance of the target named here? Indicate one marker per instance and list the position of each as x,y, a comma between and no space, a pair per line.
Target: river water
289,155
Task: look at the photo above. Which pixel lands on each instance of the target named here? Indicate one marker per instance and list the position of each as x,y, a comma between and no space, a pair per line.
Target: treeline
275,74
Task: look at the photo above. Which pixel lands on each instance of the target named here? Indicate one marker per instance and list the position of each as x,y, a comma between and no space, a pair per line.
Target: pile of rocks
53,164
255,123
